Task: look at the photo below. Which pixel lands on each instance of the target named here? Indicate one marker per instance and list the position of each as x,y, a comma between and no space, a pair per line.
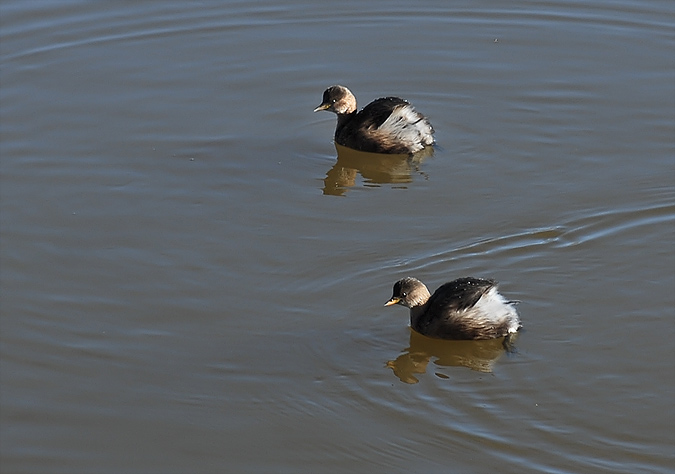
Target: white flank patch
493,306
406,125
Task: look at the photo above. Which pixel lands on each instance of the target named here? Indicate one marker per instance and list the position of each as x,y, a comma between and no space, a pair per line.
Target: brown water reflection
375,168
177,295
476,355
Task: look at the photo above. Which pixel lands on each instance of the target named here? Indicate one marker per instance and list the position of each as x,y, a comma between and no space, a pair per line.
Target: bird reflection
476,355
375,168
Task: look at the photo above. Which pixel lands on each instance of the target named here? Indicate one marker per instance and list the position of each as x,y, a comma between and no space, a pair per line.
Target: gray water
192,280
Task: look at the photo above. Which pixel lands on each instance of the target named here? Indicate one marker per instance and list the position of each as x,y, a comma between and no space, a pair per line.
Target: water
192,278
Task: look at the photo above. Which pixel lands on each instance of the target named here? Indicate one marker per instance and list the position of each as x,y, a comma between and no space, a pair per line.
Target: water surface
192,275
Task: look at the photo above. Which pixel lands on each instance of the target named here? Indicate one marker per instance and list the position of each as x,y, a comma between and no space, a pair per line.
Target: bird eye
404,294
334,100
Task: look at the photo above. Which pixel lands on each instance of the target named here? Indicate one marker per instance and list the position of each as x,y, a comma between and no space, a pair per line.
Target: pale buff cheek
418,302
340,108
420,297
345,106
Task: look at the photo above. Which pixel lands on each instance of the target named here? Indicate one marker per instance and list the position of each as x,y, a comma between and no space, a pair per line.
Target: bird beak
322,107
392,301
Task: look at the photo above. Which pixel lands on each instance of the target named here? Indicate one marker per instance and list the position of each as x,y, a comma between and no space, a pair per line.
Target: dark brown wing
374,114
459,294
444,318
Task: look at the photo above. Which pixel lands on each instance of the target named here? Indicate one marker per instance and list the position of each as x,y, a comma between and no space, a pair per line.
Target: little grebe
466,308
387,125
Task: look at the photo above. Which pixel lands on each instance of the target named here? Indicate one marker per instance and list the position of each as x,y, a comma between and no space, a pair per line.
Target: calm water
192,279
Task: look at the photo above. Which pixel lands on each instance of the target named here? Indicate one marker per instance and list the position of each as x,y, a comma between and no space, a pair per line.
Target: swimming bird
466,308
386,125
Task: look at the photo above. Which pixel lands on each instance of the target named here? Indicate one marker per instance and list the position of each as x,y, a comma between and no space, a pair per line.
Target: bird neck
416,314
343,120
421,304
